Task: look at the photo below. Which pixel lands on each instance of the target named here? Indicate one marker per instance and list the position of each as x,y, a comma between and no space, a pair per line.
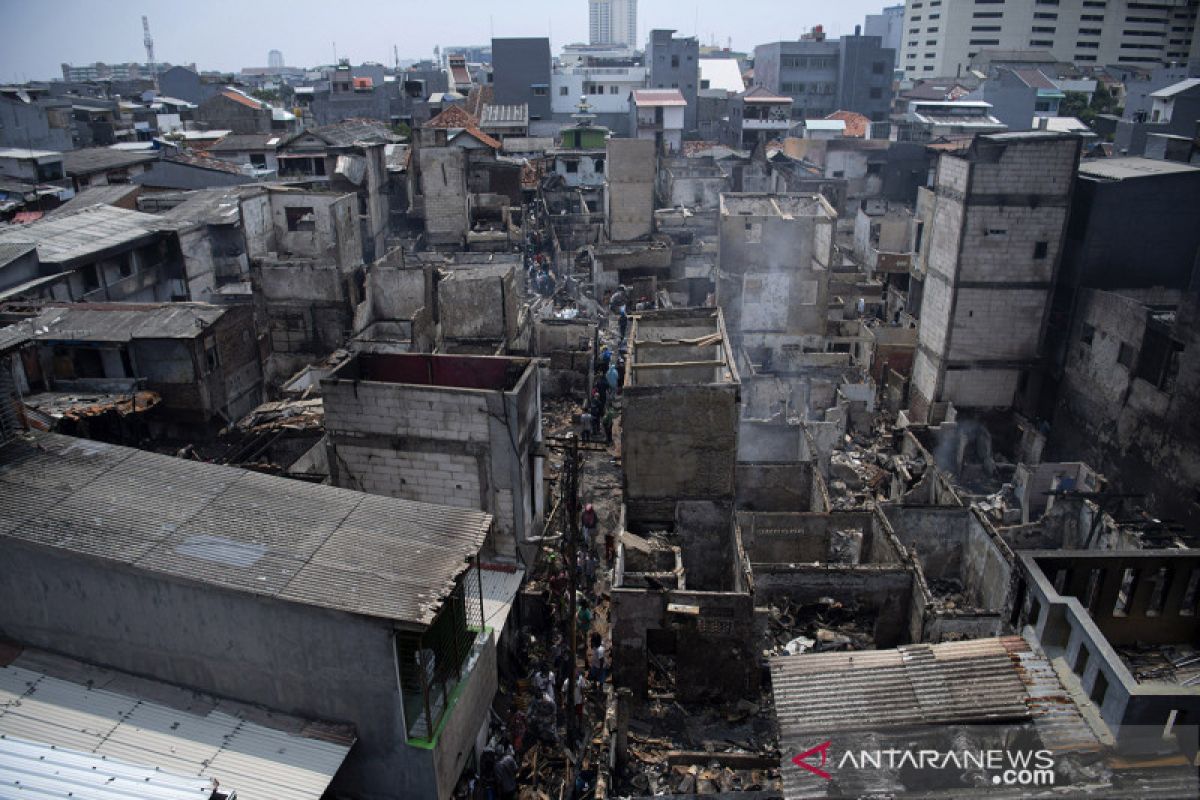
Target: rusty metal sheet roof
305,543
825,693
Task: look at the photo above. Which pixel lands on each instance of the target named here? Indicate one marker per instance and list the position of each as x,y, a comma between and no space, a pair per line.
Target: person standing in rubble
622,323
618,299
505,773
610,417
596,670
587,521
613,379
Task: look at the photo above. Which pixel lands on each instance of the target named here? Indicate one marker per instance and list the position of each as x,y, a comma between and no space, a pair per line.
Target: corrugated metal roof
57,736
96,195
1126,167
10,251
61,239
123,322
827,693
658,97
33,769
1176,88
499,587
494,114
305,543
97,159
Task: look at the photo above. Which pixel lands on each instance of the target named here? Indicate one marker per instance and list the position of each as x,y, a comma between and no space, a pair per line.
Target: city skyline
76,32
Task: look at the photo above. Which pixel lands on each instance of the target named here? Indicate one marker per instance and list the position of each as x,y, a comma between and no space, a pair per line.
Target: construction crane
148,40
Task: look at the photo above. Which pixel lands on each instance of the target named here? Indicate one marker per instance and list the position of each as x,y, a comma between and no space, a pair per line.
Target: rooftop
96,195
1035,79
516,114
238,142
648,98
242,531
825,124
761,94
1128,167
64,238
355,131
857,125
123,322
1176,88
69,730
10,251
97,159
452,117
21,152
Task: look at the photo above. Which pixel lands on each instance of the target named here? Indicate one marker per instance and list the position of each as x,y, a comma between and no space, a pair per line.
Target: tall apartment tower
612,22
991,239
275,59
941,37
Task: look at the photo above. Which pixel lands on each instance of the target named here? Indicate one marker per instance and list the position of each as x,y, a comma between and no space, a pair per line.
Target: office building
944,38
612,22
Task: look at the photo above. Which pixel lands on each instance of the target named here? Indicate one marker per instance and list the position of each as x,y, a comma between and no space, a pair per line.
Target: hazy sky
228,35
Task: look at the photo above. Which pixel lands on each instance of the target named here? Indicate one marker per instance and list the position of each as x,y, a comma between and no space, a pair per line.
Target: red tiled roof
453,117
483,137
238,97
856,124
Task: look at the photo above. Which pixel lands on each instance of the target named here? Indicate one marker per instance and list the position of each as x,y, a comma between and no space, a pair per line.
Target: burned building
629,189
775,254
201,361
103,254
463,431
994,241
347,157
679,424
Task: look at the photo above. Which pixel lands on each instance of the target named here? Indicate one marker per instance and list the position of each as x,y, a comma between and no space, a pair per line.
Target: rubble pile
1175,664
675,750
826,625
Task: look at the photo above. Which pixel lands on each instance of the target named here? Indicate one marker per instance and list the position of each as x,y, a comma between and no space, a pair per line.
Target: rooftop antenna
148,40
396,56
335,61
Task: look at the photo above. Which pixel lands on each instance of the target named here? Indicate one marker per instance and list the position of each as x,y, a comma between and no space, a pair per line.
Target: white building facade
941,37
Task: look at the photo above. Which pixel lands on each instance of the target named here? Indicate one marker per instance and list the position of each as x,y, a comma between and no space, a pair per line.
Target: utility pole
571,487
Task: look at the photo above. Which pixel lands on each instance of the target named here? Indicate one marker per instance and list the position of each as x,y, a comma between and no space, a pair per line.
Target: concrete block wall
444,189
629,189
997,324
457,447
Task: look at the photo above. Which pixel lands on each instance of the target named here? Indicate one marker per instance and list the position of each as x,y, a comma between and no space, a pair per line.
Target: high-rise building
612,22
942,38
275,59
888,25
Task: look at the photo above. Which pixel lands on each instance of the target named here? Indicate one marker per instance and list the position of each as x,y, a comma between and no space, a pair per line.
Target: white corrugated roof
499,588
36,770
161,752
1175,88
